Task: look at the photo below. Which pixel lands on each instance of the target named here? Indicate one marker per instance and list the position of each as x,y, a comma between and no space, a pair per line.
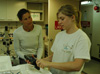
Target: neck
28,28
72,29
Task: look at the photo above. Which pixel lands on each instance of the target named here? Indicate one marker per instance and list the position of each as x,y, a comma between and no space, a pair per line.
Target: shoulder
82,34
18,30
37,26
60,34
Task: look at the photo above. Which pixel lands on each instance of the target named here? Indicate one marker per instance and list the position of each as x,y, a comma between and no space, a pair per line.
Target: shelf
37,11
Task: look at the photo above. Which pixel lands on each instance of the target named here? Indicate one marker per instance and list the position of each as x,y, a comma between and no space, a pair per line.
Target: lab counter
25,69
7,68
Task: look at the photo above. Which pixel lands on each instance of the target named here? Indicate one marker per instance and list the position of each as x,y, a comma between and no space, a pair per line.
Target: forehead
26,15
61,15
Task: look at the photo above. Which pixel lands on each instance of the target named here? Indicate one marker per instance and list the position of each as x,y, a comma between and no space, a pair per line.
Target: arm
16,46
66,66
83,47
41,45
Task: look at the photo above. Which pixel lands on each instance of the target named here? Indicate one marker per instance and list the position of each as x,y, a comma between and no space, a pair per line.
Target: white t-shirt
67,47
28,42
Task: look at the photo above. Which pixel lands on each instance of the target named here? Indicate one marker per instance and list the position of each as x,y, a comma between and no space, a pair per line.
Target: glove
32,60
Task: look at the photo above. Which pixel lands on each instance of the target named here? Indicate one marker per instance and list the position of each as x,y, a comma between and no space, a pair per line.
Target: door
96,35
87,15
53,7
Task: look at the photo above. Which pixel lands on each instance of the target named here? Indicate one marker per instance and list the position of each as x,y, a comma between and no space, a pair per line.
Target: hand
42,63
28,61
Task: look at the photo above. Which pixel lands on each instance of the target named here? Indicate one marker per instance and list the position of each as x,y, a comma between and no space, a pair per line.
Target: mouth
62,26
29,23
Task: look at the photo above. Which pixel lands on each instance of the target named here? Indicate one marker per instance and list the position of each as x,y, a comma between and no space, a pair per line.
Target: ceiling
97,1
35,0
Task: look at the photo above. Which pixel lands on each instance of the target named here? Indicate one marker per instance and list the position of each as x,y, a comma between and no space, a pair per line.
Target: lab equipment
6,40
32,60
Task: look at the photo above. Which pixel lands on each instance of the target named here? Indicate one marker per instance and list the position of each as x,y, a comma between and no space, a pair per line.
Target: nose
59,22
29,20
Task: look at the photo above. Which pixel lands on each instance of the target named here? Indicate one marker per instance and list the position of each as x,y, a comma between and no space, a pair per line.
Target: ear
73,17
21,21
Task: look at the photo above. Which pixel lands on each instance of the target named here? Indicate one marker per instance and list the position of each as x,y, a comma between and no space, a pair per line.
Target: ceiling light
85,2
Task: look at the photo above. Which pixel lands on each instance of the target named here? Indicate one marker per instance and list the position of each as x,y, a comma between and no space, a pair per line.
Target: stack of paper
5,63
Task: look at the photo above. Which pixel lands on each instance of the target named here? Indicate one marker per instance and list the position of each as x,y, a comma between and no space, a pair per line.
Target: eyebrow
61,17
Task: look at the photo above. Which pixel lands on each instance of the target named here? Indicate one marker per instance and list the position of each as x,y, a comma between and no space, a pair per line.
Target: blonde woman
71,48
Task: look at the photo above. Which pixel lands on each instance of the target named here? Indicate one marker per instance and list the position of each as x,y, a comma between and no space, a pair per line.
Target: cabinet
3,10
9,9
37,11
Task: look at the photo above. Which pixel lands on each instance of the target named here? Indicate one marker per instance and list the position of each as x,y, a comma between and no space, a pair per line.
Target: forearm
40,53
41,46
67,66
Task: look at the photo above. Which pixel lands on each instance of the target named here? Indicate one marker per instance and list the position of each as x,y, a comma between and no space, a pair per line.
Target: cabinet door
12,9
3,10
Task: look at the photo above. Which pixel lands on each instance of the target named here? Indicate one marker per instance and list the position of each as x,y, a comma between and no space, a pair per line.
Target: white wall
87,15
94,29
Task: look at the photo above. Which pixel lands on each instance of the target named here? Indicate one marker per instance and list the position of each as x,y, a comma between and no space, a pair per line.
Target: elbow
77,69
74,69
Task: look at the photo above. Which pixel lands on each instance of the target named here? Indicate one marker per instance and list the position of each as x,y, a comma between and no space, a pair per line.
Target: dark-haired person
71,48
28,37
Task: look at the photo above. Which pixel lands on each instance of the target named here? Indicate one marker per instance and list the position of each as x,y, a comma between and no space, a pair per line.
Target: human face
65,21
26,19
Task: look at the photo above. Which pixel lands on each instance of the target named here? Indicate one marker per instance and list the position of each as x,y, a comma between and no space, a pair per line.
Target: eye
62,19
25,19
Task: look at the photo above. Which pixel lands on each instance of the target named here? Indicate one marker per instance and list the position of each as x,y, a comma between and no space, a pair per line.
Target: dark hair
70,10
21,12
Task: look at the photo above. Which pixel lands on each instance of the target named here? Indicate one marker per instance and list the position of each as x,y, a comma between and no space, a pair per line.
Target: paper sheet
5,63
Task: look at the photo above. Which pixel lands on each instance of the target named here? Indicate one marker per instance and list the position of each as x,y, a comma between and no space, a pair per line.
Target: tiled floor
92,67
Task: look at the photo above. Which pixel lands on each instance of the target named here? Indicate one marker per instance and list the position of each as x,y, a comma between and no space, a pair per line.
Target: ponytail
79,20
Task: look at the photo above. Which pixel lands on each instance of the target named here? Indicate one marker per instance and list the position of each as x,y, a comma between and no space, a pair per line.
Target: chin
63,28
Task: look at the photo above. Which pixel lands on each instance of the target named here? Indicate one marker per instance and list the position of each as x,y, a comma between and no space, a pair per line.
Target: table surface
29,69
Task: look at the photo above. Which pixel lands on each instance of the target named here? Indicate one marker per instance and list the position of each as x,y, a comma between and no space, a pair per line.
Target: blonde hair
70,10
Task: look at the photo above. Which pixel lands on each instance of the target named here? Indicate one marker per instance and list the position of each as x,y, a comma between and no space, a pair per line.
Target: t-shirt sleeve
82,50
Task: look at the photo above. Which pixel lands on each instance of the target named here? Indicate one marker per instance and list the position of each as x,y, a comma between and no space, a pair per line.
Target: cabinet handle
99,47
